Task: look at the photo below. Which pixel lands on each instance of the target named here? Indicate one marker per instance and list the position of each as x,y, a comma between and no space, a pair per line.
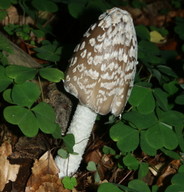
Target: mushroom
100,75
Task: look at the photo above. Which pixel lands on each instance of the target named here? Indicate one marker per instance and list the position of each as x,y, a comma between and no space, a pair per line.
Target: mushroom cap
103,66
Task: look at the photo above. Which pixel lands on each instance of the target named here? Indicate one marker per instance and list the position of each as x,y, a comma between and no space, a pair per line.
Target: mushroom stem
81,127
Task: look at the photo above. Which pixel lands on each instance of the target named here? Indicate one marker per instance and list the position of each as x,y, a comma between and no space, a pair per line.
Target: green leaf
170,140
76,8
7,96
161,135
171,87
154,188
28,125
45,5
45,117
57,132
102,5
10,28
126,189
180,99
177,183
4,80
176,4
156,73
167,56
142,99
139,185
175,188
161,30
63,153
143,170
179,27
108,150
172,118
38,33
97,177
126,137
91,166
51,74
3,14
142,32
5,4
25,94
49,51
108,187
69,182
154,137
137,4
178,179
171,154
145,146
175,119
69,142
5,44
131,162
181,169
14,114
3,59
140,121
166,70
148,52
20,73
22,117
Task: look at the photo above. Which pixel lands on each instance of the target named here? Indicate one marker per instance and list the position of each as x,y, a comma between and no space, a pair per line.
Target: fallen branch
17,56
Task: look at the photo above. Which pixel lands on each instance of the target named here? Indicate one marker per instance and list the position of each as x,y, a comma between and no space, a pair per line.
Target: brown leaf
169,170
94,155
8,172
13,17
44,176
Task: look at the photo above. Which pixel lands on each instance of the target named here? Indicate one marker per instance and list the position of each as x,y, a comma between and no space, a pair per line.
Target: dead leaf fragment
156,37
13,17
8,172
44,176
169,170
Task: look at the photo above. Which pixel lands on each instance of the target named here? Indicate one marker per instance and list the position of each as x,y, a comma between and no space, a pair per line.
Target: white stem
81,127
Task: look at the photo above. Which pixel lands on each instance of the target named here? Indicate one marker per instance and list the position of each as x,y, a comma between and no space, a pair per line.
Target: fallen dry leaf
8,172
44,176
13,17
169,170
